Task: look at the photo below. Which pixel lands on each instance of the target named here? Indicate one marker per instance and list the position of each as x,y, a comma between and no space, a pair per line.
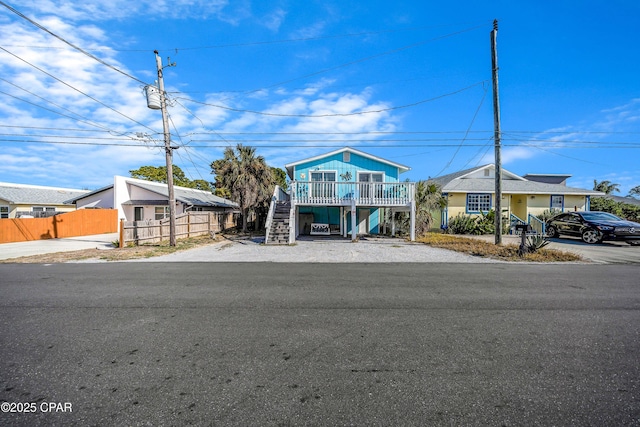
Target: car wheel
552,231
591,236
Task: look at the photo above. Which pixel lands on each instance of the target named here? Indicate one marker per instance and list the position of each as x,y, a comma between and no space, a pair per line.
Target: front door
363,221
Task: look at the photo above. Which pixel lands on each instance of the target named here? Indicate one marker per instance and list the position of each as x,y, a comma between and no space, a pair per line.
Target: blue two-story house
343,192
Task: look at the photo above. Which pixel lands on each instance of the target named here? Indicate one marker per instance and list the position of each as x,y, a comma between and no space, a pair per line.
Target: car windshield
600,216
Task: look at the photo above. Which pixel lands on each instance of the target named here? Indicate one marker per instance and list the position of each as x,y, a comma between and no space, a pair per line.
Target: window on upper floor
374,189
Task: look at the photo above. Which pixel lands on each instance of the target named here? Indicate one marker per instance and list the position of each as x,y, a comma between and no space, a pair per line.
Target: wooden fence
190,224
83,222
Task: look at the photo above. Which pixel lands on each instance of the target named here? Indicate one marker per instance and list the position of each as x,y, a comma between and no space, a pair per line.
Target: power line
381,110
466,133
268,42
84,52
74,88
368,58
85,119
337,144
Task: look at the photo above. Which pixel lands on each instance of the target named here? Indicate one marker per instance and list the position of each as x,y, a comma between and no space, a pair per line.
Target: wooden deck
330,193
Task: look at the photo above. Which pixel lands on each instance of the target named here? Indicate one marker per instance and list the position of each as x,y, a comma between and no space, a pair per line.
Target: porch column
393,224
354,225
293,224
343,219
413,220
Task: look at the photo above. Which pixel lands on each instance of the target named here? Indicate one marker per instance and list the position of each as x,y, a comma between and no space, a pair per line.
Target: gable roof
549,178
88,193
189,196
23,194
627,200
461,182
289,167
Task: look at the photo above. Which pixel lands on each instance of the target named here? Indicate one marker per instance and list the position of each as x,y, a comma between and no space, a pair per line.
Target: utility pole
496,134
168,151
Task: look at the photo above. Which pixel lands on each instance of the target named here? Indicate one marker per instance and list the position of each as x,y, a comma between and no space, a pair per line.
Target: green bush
536,242
548,214
476,224
623,210
462,224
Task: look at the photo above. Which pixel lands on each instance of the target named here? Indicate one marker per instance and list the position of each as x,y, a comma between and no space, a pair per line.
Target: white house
139,200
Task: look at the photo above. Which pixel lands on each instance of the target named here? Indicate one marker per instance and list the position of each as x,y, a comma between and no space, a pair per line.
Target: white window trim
323,190
166,212
371,173
470,211
561,208
323,171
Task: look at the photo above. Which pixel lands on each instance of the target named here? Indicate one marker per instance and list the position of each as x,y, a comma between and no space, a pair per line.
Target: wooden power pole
496,134
168,151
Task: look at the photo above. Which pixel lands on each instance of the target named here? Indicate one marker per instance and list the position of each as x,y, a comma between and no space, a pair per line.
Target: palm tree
247,177
606,187
634,192
429,199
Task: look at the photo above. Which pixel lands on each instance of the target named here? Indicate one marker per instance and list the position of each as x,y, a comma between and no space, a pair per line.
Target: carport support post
413,216
393,224
354,231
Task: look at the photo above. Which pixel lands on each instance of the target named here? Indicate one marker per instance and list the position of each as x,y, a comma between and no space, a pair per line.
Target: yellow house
472,191
35,201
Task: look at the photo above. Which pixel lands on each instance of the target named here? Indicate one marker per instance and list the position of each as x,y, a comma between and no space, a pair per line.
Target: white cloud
274,20
92,166
120,9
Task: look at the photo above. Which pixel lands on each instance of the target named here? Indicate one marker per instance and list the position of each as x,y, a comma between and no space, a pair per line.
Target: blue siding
323,215
374,220
356,164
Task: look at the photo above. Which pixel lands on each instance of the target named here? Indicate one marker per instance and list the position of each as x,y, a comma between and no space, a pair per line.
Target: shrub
462,224
537,242
548,214
478,224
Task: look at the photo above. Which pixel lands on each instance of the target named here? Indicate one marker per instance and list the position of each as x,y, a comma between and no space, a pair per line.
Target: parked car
594,227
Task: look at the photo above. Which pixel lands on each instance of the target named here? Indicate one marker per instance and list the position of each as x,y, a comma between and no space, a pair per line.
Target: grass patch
481,248
117,254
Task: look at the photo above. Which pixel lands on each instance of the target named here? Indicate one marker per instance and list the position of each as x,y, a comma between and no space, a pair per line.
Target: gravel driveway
319,250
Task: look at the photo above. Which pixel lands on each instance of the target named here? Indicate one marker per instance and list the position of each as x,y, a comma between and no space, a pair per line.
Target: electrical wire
338,144
357,61
381,110
74,88
84,52
473,119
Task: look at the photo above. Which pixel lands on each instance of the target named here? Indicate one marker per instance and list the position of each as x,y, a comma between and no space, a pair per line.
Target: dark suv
594,227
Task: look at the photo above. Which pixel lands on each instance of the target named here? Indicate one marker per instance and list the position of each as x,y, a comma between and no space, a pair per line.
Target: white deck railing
346,193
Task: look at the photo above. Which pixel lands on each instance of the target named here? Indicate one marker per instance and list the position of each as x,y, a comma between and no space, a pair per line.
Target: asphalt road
609,252
320,344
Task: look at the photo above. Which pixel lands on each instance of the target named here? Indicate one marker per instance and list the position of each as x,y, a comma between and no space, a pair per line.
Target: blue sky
409,81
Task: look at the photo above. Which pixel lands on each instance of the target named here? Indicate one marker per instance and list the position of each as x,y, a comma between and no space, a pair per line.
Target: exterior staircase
279,230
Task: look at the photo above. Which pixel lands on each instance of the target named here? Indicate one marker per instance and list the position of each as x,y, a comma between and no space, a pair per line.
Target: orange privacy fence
83,222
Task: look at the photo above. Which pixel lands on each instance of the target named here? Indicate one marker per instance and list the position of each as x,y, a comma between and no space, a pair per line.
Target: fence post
121,242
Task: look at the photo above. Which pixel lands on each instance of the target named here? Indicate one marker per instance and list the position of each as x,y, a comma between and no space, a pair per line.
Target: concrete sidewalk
40,247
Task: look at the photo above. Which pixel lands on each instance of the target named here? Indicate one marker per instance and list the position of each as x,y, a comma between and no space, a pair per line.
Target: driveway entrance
606,252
